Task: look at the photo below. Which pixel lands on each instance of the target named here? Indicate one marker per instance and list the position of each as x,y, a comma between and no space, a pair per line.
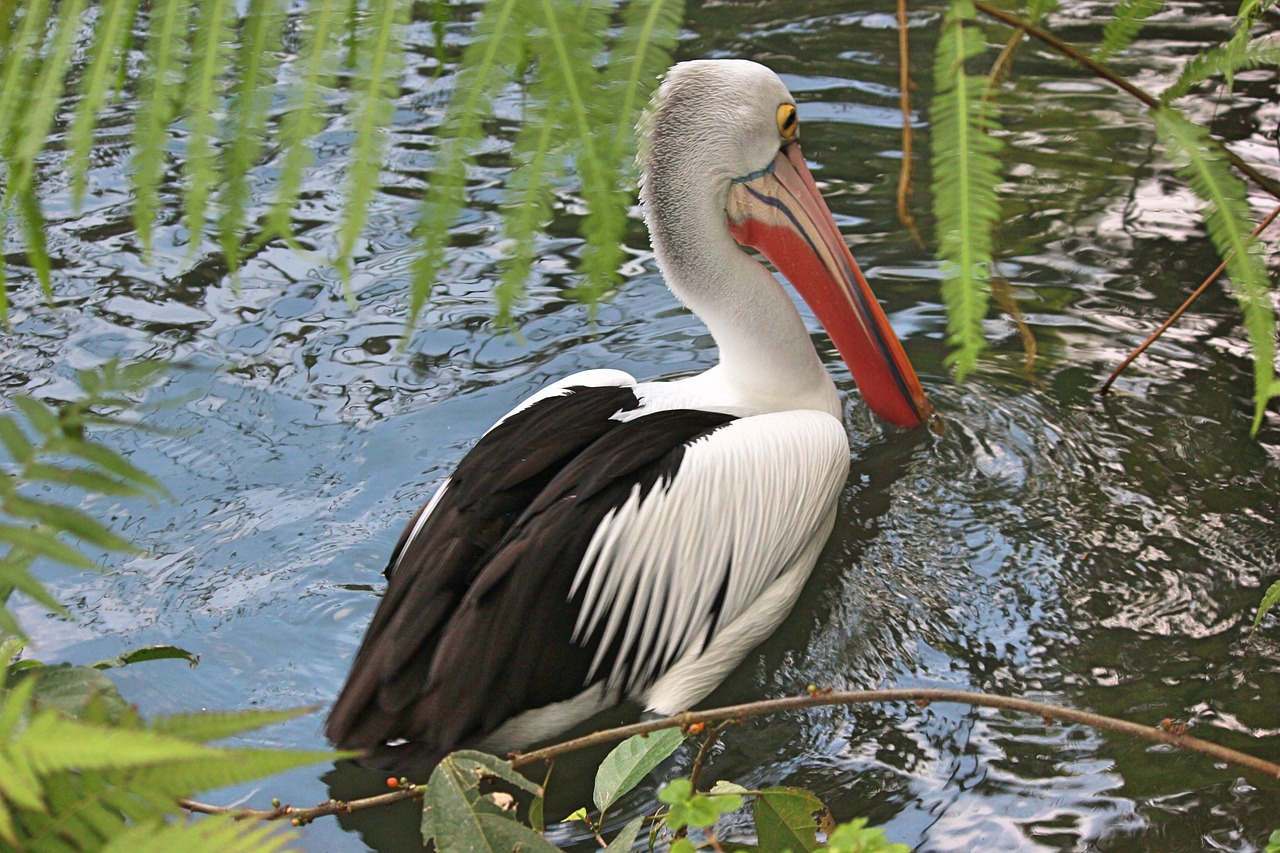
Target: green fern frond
1200,160
205,726
68,784
255,69
1037,9
113,31
379,84
166,50
572,51
46,95
304,118
1122,29
31,222
16,72
965,175
40,447
217,834
488,64
1226,59
201,105
527,205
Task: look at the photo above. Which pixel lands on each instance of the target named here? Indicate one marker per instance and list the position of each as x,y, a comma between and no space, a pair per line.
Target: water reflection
1103,556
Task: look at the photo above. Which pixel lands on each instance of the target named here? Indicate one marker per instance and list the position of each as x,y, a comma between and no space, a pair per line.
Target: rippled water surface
1107,557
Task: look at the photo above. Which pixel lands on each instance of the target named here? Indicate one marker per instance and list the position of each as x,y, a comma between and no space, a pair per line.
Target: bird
611,539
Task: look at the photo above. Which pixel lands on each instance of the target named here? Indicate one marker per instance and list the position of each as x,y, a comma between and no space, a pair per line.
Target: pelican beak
780,212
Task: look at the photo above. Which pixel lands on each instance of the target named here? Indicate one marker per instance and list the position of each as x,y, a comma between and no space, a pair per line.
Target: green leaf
785,819
305,116
85,478
1202,163
108,460
206,726
67,518
626,837
630,761
166,52
379,84
856,837
71,690
217,834
1226,59
16,70
147,653
15,440
201,102
723,787
457,818
1269,599
490,61
111,37
41,416
965,175
1122,29
44,543
683,845
256,60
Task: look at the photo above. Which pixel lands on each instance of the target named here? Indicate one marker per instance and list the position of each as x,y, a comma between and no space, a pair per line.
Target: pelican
611,539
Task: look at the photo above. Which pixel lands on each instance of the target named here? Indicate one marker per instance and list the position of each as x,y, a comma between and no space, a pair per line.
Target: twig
1073,53
1173,318
1166,733
705,751
301,817
908,133
1171,736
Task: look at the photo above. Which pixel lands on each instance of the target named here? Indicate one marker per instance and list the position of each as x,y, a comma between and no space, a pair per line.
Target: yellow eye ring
788,124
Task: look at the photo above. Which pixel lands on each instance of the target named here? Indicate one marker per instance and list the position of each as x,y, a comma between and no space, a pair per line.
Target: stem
908,134
1168,736
1075,54
300,817
1173,318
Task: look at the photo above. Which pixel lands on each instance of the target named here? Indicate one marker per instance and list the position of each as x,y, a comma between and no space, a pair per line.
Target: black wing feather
476,624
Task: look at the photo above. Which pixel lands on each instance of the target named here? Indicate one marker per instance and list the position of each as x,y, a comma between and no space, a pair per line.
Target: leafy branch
51,444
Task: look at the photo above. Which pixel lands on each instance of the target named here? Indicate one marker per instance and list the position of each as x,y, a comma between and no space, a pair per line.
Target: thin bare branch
1173,318
1170,735
908,133
1100,70
301,817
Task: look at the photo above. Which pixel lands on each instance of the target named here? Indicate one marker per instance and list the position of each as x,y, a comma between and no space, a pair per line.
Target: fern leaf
67,518
965,175
46,95
379,85
543,143
44,543
166,49
205,726
1226,59
1038,9
638,58
527,205
180,777
15,573
489,63
1269,600
201,101
31,220
114,29
255,69
15,71
216,834
1124,27
304,118
1201,162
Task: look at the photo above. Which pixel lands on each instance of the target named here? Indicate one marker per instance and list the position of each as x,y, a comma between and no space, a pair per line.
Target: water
1103,556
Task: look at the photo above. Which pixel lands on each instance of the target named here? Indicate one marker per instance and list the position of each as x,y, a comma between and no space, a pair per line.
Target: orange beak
780,212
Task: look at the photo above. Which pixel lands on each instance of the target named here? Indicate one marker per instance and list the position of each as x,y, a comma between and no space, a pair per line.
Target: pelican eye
788,124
